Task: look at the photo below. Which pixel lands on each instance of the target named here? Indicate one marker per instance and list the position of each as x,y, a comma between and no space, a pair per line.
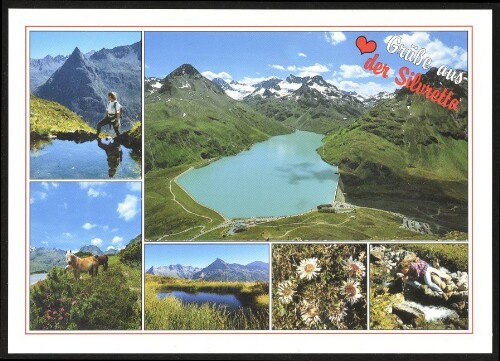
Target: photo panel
419,286
306,135
85,256
206,286
319,286
85,104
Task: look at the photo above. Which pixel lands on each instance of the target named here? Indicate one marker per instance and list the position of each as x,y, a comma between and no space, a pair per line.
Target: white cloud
302,55
88,226
95,193
364,89
334,37
45,185
54,184
32,200
356,71
86,185
275,66
282,68
116,239
129,207
318,68
134,186
110,248
67,234
43,196
453,57
114,230
353,71
96,241
312,70
211,75
251,81
45,243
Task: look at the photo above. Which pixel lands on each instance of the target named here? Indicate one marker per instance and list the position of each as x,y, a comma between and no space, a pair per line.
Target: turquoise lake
281,176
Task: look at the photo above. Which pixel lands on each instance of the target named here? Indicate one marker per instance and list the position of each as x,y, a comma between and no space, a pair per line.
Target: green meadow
110,301
172,314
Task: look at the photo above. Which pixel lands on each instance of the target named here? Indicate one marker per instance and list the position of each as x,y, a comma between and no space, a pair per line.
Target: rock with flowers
319,286
398,302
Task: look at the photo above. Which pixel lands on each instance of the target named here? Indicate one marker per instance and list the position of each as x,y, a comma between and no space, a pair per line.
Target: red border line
368,242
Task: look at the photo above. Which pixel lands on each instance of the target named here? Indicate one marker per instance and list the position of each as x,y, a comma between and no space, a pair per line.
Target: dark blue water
230,301
281,176
65,159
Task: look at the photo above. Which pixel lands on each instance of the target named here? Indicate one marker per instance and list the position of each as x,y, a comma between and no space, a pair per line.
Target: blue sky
201,255
69,215
43,43
250,57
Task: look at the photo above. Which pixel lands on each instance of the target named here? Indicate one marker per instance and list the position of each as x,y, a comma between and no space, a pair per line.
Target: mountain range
44,258
305,103
82,82
409,155
218,270
189,118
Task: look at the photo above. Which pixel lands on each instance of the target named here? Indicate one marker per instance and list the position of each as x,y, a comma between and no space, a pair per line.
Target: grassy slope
87,293
396,153
49,118
369,224
317,118
164,216
200,125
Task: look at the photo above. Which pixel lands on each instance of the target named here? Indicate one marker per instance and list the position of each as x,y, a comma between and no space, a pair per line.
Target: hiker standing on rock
113,114
416,269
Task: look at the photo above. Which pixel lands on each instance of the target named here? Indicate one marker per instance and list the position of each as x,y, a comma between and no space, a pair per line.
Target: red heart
365,46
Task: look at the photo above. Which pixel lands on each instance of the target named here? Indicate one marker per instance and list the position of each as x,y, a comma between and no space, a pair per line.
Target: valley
399,157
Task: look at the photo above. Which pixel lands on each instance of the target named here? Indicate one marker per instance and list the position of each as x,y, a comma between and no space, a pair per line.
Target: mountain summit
82,83
218,270
189,118
187,78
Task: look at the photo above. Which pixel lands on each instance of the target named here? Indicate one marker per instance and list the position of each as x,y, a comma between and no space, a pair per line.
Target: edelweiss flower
337,313
308,268
350,290
286,290
310,313
354,268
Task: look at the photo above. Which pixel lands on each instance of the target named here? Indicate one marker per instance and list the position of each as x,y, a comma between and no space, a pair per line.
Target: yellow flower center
287,292
309,268
311,311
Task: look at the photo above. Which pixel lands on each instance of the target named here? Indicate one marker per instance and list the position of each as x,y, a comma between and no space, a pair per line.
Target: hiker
114,155
113,114
416,270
